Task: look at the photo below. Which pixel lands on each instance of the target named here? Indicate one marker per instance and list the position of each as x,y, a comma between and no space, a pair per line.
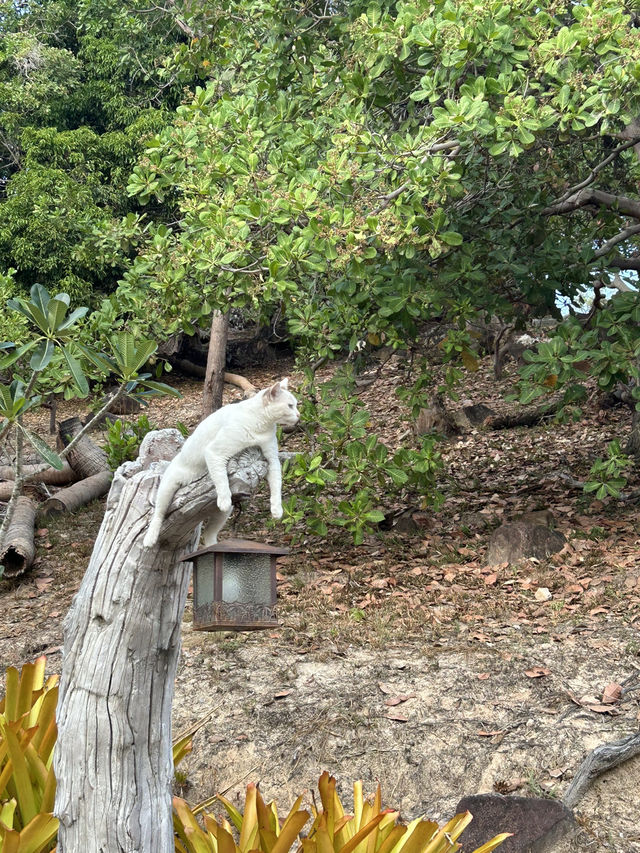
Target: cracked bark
113,759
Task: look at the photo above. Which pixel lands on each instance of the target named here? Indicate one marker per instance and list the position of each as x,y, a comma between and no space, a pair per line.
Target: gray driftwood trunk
113,758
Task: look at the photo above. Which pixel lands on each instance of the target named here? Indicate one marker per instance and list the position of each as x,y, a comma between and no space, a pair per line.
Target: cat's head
281,404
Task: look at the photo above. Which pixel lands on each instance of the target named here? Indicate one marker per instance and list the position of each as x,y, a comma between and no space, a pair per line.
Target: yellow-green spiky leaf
488,846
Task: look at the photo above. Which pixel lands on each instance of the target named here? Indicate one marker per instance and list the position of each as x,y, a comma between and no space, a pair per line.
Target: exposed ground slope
406,660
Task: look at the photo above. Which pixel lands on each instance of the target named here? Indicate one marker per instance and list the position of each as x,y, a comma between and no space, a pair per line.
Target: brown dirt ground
406,660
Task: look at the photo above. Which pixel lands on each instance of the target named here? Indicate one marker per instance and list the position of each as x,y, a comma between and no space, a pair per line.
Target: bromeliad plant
370,829
52,340
27,737
258,827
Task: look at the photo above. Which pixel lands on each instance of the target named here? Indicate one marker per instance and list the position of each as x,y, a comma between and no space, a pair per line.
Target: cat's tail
166,490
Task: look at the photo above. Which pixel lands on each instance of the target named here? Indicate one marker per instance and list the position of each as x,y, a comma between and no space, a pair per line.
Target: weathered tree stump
19,550
85,457
113,758
72,498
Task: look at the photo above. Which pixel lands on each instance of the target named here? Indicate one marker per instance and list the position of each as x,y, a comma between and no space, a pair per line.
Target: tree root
602,758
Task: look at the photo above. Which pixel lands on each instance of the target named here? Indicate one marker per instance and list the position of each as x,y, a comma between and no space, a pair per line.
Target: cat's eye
291,405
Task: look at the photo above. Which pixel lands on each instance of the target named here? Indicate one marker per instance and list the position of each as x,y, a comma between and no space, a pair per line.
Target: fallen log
241,382
193,369
85,457
72,498
190,367
19,549
35,474
527,418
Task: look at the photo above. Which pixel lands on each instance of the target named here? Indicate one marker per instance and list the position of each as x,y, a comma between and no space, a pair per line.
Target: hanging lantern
234,586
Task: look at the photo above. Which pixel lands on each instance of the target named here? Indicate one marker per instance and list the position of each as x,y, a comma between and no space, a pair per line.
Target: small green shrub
347,470
124,438
606,476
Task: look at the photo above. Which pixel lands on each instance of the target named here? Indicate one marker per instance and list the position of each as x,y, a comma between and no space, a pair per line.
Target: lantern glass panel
205,579
246,578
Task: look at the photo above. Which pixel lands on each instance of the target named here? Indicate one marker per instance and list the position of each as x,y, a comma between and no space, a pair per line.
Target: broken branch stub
113,759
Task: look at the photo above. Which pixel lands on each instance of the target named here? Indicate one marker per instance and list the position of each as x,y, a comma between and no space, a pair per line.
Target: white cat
250,423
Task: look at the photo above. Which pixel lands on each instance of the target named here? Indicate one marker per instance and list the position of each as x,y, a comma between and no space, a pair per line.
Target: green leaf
160,387
131,356
76,371
43,355
31,312
451,238
43,448
100,359
71,319
40,298
398,476
56,313
375,516
8,360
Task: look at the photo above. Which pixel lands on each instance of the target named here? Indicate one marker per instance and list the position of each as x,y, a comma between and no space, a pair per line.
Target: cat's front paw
224,503
276,511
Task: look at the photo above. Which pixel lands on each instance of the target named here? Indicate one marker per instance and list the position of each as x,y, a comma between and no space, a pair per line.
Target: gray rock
519,540
472,416
537,825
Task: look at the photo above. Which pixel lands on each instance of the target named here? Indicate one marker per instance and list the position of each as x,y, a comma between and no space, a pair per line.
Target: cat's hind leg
214,526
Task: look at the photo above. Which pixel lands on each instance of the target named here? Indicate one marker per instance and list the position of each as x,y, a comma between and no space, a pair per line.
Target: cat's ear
272,392
275,389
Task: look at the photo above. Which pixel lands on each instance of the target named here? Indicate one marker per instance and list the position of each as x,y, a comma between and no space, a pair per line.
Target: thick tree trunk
86,458
113,757
216,358
18,549
71,499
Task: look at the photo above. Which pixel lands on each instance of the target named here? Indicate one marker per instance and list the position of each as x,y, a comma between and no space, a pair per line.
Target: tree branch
596,169
437,146
603,757
622,263
621,204
613,241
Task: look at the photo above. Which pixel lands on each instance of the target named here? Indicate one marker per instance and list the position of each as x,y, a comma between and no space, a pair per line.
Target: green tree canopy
368,167
82,87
